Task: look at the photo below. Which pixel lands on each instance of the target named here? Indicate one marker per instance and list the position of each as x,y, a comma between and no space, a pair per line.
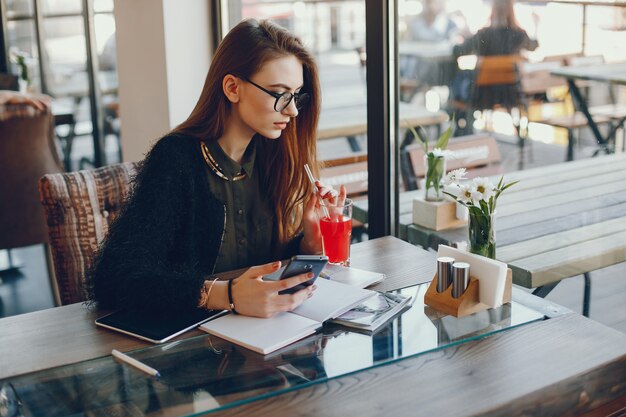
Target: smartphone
302,264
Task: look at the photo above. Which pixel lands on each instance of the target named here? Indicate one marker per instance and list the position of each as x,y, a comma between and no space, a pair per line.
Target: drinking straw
312,179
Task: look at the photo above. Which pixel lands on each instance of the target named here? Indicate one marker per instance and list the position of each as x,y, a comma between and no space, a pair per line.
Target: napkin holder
436,215
468,303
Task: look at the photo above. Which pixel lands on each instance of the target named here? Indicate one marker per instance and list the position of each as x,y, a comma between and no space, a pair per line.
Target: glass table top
206,373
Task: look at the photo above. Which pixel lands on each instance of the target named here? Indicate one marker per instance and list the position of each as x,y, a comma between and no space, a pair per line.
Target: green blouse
249,229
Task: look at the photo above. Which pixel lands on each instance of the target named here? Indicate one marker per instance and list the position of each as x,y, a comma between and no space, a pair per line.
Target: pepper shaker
444,273
460,278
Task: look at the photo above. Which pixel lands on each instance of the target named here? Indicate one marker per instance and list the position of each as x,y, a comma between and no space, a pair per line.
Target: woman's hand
312,241
254,297
40,102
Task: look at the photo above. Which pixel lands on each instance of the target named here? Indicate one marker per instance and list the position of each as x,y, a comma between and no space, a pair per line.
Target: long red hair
243,52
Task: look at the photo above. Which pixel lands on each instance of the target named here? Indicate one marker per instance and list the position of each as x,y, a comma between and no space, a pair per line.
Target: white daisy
483,189
454,176
438,152
465,194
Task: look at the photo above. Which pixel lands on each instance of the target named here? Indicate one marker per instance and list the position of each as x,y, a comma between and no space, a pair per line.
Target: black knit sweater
166,241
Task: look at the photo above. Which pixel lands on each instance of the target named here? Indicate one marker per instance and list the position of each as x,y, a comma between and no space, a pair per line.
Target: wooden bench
351,171
351,121
479,154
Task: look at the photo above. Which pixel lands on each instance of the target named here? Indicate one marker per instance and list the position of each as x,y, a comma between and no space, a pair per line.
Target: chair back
497,70
350,171
496,83
479,154
27,151
79,207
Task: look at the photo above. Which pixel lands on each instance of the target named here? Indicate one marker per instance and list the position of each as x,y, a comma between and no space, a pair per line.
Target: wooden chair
350,171
496,86
479,154
27,151
79,207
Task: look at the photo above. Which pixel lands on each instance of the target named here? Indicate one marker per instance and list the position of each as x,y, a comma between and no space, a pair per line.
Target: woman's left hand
312,241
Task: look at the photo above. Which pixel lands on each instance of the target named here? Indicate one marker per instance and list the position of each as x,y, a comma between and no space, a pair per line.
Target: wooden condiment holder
468,303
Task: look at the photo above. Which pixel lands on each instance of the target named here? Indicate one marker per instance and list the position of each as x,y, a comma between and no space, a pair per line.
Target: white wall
163,54
187,44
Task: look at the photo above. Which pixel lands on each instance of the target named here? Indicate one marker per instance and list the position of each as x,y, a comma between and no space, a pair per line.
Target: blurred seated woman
226,189
503,36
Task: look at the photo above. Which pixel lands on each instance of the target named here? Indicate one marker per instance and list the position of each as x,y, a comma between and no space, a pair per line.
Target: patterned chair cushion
79,207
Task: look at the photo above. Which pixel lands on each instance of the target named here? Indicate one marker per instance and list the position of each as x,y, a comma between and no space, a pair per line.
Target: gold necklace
210,161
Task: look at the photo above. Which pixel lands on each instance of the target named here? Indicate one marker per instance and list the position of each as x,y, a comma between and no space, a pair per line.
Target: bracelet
208,293
204,299
230,297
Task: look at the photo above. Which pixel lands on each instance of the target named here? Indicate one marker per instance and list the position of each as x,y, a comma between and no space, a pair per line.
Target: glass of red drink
336,228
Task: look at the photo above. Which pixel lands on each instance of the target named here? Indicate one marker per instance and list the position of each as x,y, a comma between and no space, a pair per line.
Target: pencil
134,362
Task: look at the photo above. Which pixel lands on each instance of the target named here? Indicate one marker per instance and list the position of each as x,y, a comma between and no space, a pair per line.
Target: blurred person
224,190
503,35
433,24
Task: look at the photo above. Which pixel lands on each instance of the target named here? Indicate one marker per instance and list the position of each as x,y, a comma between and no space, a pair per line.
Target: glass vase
482,233
435,170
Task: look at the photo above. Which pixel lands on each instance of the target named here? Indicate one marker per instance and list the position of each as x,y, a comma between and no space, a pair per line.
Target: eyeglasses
283,99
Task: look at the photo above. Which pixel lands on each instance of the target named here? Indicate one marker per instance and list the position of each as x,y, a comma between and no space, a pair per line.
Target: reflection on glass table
207,373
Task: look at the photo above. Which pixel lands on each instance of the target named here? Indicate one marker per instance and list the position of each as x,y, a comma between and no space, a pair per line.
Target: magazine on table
375,311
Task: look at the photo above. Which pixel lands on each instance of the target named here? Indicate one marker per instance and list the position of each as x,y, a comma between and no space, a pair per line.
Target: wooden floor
28,288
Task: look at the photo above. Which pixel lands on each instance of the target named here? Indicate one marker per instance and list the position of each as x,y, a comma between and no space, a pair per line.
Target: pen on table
134,362
312,179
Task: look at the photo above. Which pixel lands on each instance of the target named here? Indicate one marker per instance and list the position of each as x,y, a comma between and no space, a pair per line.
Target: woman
226,189
503,36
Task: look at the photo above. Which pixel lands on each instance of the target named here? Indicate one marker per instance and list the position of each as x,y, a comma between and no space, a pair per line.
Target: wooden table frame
607,73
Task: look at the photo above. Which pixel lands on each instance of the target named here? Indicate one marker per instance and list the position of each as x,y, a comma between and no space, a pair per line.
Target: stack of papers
374,312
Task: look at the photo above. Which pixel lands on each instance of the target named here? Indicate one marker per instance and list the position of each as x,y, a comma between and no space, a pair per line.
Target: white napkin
491,274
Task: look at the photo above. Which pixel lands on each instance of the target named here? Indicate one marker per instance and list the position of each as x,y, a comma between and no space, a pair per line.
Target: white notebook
352,276
330,300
